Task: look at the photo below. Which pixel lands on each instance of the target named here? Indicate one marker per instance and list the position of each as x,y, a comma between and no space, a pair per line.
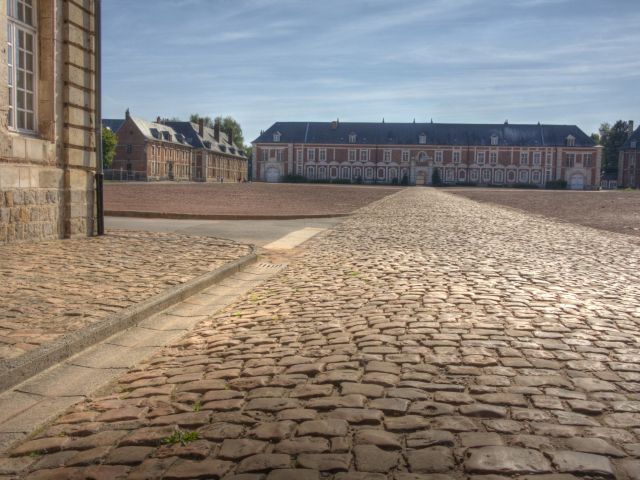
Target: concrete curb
17,370
195,216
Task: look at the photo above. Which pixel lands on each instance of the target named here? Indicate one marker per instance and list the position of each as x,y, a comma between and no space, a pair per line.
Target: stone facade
492,155
47,172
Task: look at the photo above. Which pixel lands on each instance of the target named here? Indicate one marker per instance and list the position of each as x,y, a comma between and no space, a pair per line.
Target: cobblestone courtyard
52,288
427,337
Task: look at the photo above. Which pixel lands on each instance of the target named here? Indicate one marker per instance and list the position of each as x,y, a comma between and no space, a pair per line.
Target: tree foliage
195,118
227,124
109,143
611,138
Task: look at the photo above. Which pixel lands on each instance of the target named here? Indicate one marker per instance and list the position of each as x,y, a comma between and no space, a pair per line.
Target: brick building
173,150
628,173
502,154
47,119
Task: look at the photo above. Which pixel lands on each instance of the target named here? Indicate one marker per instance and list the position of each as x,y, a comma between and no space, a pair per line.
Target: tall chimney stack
230,134
201,126
630,127
216,131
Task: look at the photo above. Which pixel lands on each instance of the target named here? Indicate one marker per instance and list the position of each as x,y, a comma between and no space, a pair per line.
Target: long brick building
628,173
174,150
500,154
47,119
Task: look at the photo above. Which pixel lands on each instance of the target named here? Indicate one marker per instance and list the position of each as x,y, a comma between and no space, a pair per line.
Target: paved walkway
52,288
428,337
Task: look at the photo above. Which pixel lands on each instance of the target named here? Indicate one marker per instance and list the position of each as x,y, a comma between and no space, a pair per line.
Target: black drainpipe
98,119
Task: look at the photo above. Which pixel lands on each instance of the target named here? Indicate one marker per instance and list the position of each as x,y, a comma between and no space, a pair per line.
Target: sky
462,61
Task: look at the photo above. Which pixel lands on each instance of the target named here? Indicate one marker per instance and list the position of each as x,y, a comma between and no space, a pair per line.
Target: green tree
195,118
109,143
229,124
596,138
611,139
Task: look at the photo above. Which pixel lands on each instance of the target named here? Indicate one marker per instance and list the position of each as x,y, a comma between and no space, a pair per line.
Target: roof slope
437,134
191,132
635,137
112,124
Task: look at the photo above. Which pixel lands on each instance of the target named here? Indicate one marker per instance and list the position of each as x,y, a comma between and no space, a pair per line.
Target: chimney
127,114
334,125
630,127
201,126
158,120
230,134
216,131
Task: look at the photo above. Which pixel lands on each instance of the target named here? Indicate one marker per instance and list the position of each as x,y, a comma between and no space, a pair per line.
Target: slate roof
457,134
191,132
182,133
113,124
635,137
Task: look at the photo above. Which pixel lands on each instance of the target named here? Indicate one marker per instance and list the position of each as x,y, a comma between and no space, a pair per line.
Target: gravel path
241,199
52,288
426,338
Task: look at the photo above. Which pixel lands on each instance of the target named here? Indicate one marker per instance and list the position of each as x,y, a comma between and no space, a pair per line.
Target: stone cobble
56,287
426,338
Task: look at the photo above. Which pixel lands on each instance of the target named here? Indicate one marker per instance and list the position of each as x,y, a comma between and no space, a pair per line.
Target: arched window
352,137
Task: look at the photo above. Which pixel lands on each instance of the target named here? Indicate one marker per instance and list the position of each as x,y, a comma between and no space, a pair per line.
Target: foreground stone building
47,119
628,174
500,155
174,150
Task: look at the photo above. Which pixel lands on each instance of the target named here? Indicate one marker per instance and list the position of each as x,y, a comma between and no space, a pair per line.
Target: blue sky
482,61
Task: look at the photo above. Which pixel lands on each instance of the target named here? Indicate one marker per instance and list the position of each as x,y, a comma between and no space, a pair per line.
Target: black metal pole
99,166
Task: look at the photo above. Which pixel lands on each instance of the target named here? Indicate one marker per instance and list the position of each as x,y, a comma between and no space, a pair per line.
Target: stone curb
17,370
195,216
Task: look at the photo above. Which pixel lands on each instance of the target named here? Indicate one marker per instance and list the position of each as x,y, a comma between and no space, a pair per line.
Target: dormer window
494,140
633,144
422,139
276,136
352,138
571,141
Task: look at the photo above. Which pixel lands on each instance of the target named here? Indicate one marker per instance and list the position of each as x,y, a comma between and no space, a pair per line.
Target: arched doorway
577,182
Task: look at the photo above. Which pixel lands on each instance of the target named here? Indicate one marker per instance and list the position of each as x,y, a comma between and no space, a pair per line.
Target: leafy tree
109,143
229,124
436,179
596,138
612,138
195,118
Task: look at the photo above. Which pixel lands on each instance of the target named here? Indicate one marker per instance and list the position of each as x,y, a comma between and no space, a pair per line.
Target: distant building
500,155
174,150
47,119
628,173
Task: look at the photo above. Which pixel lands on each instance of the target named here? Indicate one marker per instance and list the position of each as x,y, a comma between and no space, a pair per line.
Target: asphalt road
256,232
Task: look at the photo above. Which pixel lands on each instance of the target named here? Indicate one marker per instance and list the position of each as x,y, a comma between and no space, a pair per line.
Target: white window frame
352,138
322,155
14,28
524,158
387,156
493,158
279,156
276,137
480,158
352,155
571,141
494,140
300,155
405,156
422,140
439,156
456,157
537,159
571,160
311,154
364,155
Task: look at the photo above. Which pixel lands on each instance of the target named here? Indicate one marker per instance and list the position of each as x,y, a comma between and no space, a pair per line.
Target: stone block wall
47,178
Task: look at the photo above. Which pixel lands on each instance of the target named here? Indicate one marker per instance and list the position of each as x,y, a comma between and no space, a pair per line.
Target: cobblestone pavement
428,337
51,288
